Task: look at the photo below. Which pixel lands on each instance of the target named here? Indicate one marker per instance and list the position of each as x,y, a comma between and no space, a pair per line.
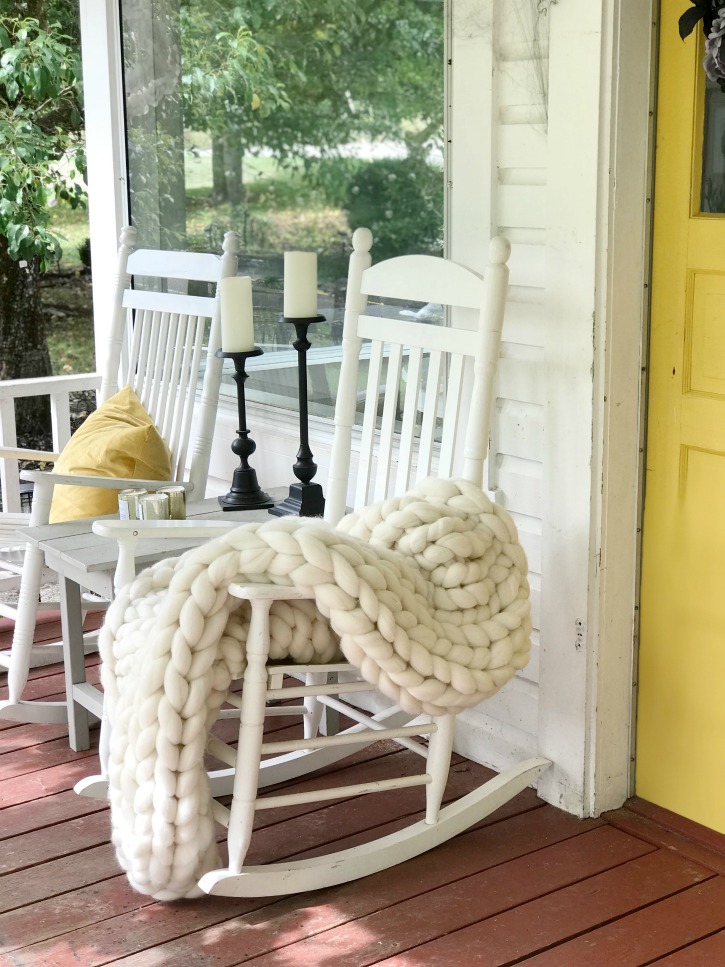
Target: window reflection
713,152
292,132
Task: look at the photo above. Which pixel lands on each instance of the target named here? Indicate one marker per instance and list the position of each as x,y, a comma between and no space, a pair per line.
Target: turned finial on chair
230,246
362,239
499,249
127,238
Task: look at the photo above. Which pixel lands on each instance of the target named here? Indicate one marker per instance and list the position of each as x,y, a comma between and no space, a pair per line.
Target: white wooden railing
58,388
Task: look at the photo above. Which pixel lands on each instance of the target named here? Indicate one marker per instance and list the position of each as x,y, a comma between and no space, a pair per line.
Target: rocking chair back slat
409,420
423,278
158,347
451,416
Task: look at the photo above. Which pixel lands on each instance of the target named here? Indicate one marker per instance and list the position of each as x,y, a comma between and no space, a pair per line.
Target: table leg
74,661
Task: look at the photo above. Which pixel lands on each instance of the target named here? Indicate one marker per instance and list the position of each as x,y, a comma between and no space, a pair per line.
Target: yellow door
680,760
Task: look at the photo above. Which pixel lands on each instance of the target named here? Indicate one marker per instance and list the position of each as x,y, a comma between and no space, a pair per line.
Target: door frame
624,243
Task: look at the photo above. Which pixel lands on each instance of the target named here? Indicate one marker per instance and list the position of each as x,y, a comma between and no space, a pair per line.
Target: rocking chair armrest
19,453
158,529
128,533
44,478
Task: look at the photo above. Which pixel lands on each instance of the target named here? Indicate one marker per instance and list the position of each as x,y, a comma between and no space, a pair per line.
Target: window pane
713,152
292,124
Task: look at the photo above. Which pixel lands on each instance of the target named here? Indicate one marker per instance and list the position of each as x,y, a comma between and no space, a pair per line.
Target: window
291,123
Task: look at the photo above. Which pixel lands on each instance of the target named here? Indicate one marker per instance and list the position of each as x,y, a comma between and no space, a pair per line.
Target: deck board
528,885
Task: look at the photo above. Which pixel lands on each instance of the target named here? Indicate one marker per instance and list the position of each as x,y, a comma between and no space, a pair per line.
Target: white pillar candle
300,285
235,295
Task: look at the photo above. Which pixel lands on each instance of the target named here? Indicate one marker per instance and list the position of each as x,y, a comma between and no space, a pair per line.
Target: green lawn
281,211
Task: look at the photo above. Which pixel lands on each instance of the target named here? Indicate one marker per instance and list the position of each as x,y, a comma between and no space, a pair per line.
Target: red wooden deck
531,885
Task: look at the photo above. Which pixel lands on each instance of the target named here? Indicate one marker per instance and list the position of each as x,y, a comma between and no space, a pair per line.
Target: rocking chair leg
314,708
25,623
22,650
251,736
439,762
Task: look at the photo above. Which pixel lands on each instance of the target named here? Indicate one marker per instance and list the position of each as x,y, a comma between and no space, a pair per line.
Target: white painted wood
150,323
422,278
625,174
571,216
8,467
319,872
105,140
499,177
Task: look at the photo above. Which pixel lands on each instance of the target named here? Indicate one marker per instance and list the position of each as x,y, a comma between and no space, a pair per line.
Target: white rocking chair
454,399
162,342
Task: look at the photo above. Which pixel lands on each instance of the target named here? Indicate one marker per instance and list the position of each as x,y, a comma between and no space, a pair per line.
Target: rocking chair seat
425,594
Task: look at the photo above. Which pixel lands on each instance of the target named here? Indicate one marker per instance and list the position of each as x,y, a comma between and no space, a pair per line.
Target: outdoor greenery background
276,93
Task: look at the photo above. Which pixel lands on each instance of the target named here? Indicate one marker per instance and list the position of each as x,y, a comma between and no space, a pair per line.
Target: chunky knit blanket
426,594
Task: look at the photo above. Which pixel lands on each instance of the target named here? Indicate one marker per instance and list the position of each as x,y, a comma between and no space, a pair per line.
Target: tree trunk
23,349
233,167
219,181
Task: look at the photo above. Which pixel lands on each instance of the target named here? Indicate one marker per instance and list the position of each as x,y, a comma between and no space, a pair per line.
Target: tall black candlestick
246,493
305,499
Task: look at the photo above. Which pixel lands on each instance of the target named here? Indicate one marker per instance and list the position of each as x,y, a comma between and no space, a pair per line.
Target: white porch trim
105,148
622,309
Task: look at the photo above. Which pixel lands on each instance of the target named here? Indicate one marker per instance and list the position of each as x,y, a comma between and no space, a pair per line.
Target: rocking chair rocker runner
425,593
157,346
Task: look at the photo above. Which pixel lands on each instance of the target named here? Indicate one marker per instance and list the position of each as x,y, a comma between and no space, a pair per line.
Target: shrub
401,201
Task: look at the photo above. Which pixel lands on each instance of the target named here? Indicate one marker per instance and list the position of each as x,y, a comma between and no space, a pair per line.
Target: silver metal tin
153,507
177,501
128,502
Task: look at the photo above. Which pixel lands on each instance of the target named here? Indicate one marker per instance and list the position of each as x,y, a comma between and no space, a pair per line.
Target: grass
281,211
71,226
66,301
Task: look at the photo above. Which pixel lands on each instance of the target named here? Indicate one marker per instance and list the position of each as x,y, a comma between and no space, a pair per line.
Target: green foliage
41,154
401,201
227,79
290,73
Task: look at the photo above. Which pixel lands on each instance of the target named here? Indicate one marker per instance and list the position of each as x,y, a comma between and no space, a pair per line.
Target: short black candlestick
246,493
305,499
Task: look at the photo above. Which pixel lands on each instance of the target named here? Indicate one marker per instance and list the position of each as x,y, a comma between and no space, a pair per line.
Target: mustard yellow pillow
118,440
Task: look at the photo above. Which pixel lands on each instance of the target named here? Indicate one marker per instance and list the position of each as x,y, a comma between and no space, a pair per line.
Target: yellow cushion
118,440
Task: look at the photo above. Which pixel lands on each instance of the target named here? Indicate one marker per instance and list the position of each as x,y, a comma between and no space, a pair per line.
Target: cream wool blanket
425,594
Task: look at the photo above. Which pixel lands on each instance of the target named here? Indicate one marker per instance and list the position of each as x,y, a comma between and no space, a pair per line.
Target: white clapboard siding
523,324
509,721
521,146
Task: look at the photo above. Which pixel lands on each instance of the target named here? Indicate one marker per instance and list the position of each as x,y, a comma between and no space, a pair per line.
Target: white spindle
430,411
410,417
60,419
451,414
372,399
387,427
206,416
188,399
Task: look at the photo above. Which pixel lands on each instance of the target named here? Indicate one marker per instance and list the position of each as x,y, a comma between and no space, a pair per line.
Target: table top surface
73,542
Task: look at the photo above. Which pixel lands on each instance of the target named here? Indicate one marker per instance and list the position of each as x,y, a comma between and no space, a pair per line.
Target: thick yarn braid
426,594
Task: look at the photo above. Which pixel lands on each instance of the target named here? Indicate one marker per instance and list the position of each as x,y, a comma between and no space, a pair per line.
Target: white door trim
105,148
619,377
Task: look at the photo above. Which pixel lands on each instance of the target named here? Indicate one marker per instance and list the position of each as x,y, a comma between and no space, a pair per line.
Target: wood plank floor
530,885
